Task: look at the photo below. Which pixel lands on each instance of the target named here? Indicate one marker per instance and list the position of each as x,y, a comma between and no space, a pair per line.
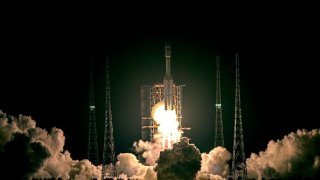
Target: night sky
45,73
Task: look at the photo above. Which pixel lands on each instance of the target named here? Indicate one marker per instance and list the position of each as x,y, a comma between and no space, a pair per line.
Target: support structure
239,169
93,154
108,165
150,96
219,139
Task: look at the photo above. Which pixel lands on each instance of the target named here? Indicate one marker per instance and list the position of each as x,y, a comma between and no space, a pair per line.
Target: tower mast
108,148
239,169
93,154
219,139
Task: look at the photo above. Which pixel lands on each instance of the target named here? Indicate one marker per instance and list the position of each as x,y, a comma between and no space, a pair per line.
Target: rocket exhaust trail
168,81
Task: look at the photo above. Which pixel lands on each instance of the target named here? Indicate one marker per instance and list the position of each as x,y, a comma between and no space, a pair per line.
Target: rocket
168,81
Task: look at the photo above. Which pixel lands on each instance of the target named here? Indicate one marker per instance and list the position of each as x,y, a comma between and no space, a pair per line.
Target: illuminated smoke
167,125
296,156
11,125
129,167
205,176
150,150
42,151
21,158
167,134
27,151
84,169
180,162
215,164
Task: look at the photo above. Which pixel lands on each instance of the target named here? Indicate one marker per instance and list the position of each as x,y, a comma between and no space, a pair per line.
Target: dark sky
44,72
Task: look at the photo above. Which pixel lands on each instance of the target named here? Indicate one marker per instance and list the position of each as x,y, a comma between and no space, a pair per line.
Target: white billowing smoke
7,129
297,155
84,169
214,164
129,167
63,166
150,150
182,161
58,164
206,176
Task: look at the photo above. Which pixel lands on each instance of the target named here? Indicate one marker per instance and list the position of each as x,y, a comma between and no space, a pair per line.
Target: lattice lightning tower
239,169
93,154
108,148
219,139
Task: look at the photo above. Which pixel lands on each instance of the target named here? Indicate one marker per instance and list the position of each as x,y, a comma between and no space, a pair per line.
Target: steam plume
37,153
180,162
150,150
214,165
129,166
297,155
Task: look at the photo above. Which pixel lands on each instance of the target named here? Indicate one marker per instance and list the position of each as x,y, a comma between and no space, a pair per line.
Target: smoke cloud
150,150
11,125
28,151
180,162
297,156
21,157
129,167
215,164
205,176
84,169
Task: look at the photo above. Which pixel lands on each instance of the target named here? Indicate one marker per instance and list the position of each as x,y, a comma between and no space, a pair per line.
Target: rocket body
168,81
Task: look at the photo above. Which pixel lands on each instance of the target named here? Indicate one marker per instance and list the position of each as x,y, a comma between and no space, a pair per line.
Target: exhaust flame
167,125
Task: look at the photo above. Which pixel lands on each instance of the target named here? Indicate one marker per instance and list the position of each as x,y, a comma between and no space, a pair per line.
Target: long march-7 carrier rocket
165,91
168,81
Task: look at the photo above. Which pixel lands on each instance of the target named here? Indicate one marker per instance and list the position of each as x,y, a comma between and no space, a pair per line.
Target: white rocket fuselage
168,81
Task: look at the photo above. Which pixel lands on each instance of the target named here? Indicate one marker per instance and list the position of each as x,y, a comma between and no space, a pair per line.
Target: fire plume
168,126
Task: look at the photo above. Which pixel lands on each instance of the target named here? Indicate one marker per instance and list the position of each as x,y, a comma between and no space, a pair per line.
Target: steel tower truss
93,154
239,169
219,139
108,164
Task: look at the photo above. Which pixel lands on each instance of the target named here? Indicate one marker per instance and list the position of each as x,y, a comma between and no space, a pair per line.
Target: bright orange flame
167,125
